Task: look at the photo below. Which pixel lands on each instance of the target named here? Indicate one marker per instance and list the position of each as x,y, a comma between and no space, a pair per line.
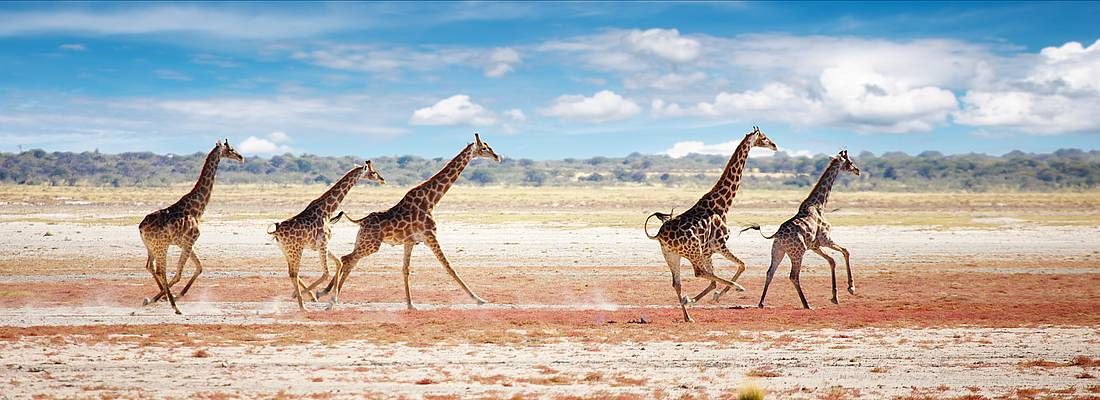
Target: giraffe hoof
852,289
689,320
178,312
716,297
410,307
145,301
835,301
330,307
738,287
761,305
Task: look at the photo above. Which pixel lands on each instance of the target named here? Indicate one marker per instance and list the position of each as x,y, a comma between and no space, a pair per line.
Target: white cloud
175,19
274,143
454,110
501,62
1058,92
602,107
73,47
494,63
172,75
663,43
672,81
217,61
516,115
681,149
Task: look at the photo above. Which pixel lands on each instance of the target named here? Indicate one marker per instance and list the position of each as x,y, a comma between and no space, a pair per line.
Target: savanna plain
958,296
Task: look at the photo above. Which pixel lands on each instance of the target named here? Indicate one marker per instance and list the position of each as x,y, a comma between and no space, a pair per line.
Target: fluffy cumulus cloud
1058,92
604,106
494,63
454,110
664,43
681,149
273,143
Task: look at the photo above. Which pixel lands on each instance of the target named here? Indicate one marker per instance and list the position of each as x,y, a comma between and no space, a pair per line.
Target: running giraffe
178,225
310,229
808,230
410,222
701,231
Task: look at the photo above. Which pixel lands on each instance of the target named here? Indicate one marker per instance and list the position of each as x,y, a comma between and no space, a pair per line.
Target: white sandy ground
817,362
516,244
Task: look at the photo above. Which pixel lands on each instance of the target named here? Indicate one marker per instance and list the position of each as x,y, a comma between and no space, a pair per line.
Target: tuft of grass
880,370
425,381
762,373
200,353
750,392
1085,362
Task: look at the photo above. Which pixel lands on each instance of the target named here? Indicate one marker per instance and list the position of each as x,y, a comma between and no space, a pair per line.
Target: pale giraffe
808,230
701,231
178,225
311,229
410,222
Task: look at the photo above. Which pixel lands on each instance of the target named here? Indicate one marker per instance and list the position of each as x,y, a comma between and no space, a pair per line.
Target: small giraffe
178,225
410,222
311,229
808,230
701,231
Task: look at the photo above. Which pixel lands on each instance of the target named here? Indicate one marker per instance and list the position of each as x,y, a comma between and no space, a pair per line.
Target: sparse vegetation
750,392
1067,169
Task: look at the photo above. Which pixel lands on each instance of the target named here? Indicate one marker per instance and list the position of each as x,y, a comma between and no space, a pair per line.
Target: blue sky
550,80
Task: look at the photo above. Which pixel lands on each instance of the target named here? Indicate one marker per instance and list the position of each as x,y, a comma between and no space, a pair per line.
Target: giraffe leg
405,272
293,261
847,264
832,268
725,252
153,272
162,279
706,268
796,270
673,261
777,257
363,248
198,271
433,243
324,253
187,254
703,293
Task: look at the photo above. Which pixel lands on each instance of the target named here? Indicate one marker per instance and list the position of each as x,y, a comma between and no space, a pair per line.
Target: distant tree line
1067,169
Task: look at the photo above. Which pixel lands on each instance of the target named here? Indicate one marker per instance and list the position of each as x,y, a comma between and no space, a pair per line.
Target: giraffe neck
442,181
720,198
819,196
330,200
200,194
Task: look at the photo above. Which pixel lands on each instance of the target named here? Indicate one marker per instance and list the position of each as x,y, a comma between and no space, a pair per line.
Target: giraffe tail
660,217
757,228
344,215
272,231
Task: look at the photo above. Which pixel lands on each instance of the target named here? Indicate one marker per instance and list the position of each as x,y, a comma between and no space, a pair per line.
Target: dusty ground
958,296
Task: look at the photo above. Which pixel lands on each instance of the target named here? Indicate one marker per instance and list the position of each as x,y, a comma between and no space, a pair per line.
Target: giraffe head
846,163
371,175
227,151
482,149
762,139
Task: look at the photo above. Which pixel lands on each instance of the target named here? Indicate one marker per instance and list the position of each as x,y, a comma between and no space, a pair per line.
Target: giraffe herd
695,235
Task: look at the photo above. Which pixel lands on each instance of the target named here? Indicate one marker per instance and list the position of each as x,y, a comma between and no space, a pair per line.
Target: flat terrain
958,296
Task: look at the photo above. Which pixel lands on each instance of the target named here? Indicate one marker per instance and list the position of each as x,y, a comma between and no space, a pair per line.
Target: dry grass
762,372
751,391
